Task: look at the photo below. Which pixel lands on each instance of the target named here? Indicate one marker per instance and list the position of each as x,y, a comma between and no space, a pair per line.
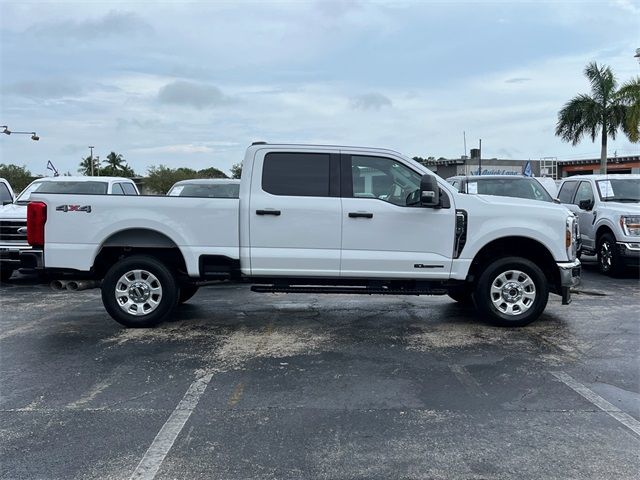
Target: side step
347,290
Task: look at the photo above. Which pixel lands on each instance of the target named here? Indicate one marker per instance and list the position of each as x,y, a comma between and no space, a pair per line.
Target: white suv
608,211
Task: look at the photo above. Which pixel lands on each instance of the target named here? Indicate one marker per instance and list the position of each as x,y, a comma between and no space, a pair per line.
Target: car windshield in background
5,194
223,190
510,187
619,190
91,188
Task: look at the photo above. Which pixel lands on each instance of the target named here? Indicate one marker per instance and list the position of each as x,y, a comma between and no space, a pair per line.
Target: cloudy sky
192,84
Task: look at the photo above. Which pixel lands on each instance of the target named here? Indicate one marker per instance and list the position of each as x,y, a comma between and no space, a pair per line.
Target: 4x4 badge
74,208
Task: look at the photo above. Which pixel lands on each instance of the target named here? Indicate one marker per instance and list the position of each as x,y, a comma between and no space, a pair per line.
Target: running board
346,290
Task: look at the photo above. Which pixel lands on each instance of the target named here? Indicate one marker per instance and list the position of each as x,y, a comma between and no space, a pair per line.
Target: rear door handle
360,215
268,212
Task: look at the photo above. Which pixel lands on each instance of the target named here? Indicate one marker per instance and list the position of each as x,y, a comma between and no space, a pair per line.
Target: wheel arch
517,246
132,241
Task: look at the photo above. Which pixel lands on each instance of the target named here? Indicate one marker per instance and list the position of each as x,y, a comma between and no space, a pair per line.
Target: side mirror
585,204
429,191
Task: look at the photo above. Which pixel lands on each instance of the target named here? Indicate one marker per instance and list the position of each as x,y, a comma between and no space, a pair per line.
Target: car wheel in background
140,291
609,261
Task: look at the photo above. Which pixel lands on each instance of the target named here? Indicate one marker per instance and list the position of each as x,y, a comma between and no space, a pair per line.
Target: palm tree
114,161
85,166
116,166
604,112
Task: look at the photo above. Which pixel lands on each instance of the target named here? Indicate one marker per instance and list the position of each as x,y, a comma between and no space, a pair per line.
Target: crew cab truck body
13,216
608,211
314,219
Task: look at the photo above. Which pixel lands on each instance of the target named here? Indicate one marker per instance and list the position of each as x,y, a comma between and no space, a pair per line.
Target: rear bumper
569,277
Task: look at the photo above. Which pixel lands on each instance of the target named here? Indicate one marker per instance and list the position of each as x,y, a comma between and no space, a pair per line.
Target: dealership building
550,167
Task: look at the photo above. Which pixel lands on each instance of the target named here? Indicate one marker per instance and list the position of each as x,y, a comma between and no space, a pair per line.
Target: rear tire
186,292
609,261
5,274
511,292
140,291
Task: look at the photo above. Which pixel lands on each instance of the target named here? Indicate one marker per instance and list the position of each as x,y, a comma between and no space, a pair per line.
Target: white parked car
608,211
207,188
6,193
503,185
312,219
13,216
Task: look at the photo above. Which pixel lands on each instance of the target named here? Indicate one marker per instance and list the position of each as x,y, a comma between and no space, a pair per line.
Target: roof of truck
82,178
208,181
613,176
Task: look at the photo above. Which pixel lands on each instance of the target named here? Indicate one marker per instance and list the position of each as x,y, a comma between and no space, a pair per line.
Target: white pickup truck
312,219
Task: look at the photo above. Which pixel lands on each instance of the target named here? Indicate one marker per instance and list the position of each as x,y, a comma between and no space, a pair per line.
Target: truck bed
198,226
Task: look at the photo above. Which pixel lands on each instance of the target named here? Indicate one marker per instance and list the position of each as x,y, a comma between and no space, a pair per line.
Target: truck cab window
129,189
296,174
383,179
567,191
116,189
585,192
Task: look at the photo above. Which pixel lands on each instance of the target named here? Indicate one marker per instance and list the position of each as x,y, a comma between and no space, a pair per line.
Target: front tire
140,291
511,292
609,261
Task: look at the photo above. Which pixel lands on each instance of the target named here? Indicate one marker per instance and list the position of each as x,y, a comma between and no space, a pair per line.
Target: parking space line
622,417
156,453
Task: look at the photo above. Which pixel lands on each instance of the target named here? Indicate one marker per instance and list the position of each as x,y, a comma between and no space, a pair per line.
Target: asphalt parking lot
247,386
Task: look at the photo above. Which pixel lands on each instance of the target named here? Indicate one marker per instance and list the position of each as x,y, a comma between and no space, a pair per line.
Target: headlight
630,225
570,237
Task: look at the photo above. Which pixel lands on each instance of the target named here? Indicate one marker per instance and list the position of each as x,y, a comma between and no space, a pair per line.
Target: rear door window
297,174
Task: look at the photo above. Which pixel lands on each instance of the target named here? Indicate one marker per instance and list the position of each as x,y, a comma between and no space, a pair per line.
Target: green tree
85,166
18,177
116,166
211,172
236,170
604,112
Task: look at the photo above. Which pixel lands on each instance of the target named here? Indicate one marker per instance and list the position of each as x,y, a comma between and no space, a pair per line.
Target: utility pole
480,158
91,147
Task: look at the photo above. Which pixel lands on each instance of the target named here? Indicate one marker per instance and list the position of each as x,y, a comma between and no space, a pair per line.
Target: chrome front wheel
513,292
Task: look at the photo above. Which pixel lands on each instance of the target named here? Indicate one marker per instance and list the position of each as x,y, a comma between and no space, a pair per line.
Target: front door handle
360,215
268,212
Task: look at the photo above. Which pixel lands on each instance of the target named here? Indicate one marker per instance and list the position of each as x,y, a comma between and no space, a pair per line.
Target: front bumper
10,254
32,258
629,252
569,277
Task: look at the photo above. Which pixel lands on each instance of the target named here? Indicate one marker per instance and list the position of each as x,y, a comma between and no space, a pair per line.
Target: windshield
221,190
528,188
619,190
5,194
92,188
